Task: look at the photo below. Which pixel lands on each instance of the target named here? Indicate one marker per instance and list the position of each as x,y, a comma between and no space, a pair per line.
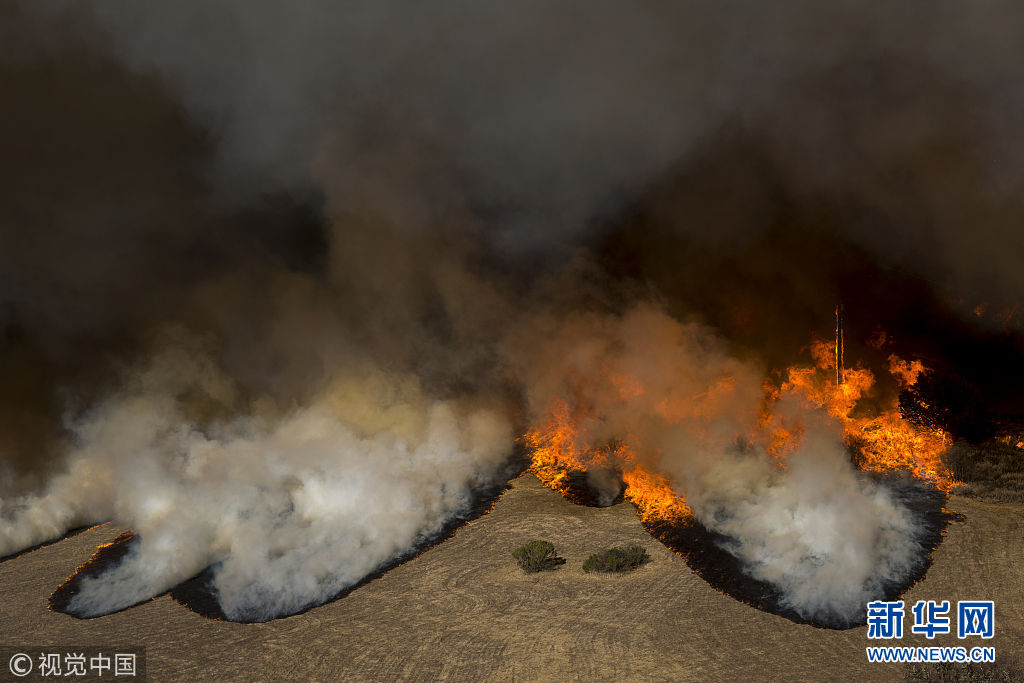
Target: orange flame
885,442
562,443
560,447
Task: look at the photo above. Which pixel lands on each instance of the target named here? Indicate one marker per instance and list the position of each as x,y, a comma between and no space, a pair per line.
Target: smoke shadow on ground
199,594
705,552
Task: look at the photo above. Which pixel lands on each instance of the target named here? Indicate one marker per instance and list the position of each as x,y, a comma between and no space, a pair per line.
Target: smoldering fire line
279,296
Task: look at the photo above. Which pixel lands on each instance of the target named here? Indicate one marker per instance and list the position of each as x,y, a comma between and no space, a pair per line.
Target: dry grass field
463,610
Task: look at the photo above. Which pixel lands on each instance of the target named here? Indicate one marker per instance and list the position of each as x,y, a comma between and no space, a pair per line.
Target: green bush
537,556
616,560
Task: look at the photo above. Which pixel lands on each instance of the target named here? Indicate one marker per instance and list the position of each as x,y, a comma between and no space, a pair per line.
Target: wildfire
567,441
1015,440
885,441
560,447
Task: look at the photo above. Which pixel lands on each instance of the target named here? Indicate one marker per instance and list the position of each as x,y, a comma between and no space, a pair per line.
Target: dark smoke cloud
548,116
284,201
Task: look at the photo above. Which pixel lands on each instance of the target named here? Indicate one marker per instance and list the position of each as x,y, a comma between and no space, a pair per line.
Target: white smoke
290,510
76,497
826,537
829,539
519,126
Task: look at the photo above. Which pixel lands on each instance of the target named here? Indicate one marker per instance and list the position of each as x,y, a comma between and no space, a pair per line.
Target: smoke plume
825,536
279,285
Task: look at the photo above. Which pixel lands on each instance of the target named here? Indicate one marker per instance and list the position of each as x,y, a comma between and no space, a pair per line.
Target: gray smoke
817,530
373,226
551,114
827,538
291,509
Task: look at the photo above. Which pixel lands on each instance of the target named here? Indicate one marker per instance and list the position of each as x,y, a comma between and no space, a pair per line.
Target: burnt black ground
705,551
707,554
199,593
463,610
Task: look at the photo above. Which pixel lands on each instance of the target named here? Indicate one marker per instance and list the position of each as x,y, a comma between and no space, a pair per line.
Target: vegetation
993,470
988,451
943,400
616,560
537,556
1006,670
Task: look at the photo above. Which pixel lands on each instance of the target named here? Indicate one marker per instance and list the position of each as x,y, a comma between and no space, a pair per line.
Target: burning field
288,297
782,474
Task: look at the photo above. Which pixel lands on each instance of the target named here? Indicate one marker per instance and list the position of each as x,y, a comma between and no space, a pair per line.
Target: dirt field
464,611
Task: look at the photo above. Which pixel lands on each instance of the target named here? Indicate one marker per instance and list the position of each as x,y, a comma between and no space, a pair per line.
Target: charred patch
593,488
707,554
106,557
200,595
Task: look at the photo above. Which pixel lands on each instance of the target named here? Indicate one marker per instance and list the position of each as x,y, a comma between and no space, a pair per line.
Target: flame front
884,441
560,447
566,440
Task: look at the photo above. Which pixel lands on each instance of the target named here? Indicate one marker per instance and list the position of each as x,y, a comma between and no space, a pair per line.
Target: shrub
537,556
616,560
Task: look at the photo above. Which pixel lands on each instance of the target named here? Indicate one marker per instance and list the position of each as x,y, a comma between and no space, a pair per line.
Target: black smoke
253,228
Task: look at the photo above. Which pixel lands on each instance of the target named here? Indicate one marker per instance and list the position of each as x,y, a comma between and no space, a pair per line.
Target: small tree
616,560
537,556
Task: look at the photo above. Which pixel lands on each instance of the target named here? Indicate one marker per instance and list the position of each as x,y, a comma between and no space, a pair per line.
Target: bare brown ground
464,611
